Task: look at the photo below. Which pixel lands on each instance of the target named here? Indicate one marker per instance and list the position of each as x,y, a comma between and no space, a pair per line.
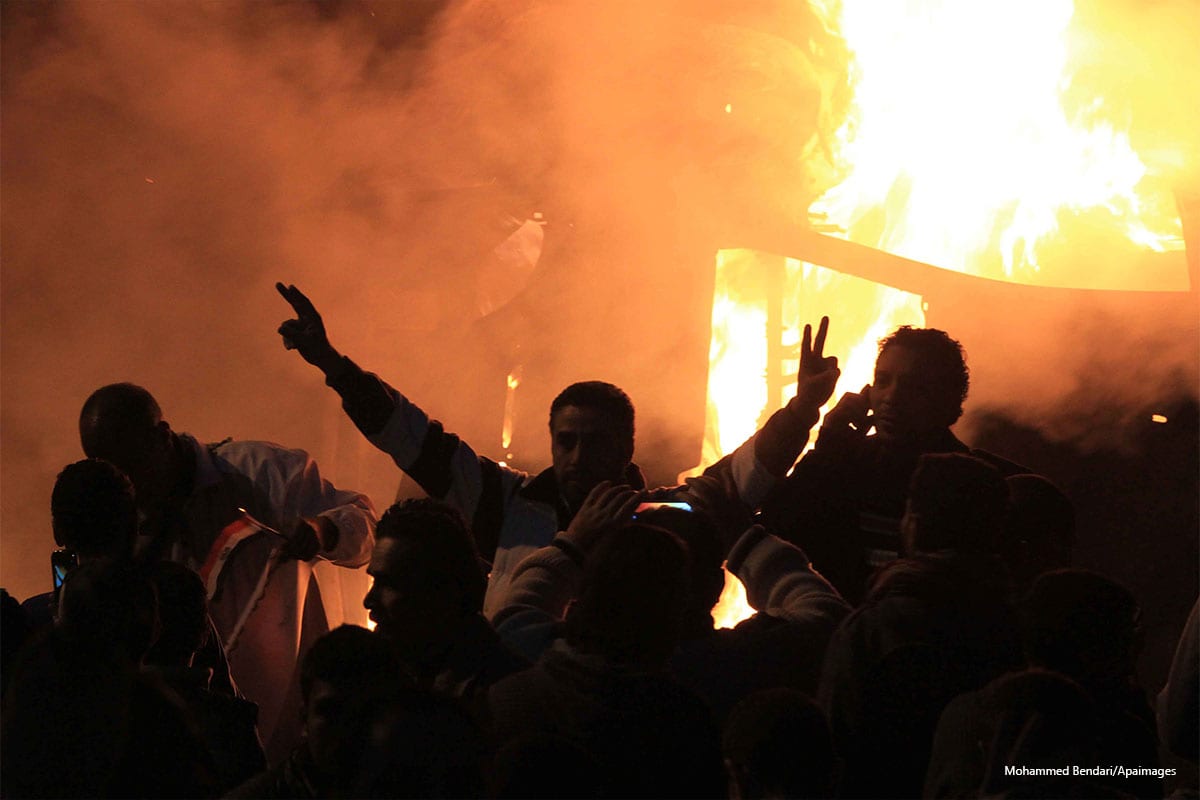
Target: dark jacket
843,503
649,736
931,628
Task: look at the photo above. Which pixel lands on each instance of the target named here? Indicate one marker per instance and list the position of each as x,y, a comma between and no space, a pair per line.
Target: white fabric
278,487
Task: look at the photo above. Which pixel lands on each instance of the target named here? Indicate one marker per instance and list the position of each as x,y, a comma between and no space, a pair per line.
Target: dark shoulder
1006,467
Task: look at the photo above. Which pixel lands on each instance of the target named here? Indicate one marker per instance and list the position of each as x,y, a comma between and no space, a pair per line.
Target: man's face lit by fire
911,402
586,448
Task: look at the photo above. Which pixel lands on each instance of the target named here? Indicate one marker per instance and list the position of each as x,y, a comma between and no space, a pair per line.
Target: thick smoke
165,163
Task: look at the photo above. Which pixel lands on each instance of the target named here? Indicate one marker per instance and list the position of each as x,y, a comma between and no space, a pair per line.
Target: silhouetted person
81,719
1179,701
93,514
423,744
1040,532
934,624
14,631
510,513
844,500
347,678
427,599
1015,738
797,610
783,645
546,767
605,685
227,724
776,744
193,499
1087,627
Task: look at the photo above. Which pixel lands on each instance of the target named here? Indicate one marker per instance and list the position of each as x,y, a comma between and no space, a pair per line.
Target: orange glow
958,151
962,152
510,402
743,389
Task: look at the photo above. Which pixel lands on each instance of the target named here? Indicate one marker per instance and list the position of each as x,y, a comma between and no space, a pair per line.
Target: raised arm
760,462
443,465
780,581
778,577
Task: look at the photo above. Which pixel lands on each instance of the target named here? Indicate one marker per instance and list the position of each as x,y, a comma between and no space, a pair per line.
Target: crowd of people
919,629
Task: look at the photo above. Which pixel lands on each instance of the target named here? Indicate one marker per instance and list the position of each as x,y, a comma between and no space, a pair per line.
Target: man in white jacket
252,518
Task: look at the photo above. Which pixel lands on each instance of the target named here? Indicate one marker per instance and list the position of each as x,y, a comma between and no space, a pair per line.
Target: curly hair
945,356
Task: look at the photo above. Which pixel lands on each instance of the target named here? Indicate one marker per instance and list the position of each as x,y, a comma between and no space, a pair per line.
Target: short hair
945,356
632,595
441,533
959,503
351,658
1074,620
604,396
123,407
93,510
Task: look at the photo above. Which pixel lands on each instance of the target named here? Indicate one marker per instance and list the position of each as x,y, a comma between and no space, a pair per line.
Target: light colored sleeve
445,467
780,581
533,605
292,481
547,580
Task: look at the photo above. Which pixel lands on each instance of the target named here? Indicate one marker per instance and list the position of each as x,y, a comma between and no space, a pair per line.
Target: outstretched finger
819,344
298,301
806,343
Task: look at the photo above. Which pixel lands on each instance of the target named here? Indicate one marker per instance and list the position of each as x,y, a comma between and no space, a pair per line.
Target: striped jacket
511,513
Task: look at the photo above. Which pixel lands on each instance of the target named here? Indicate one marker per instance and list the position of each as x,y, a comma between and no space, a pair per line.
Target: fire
970,144
967,146
744,388
510,405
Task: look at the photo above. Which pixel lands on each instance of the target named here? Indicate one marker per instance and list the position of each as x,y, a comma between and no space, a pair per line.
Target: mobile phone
653,506
61,563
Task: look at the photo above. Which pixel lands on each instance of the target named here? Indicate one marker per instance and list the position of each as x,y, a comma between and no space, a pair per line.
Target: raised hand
846,422
306,333
605,508
818,373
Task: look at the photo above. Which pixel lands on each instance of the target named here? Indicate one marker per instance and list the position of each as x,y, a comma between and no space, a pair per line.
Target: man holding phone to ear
844,500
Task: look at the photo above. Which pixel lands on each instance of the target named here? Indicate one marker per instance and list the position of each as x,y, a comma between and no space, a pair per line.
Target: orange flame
971,147
968,147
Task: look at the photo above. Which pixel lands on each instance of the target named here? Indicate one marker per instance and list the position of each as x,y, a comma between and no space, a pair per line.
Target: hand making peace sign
818,373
